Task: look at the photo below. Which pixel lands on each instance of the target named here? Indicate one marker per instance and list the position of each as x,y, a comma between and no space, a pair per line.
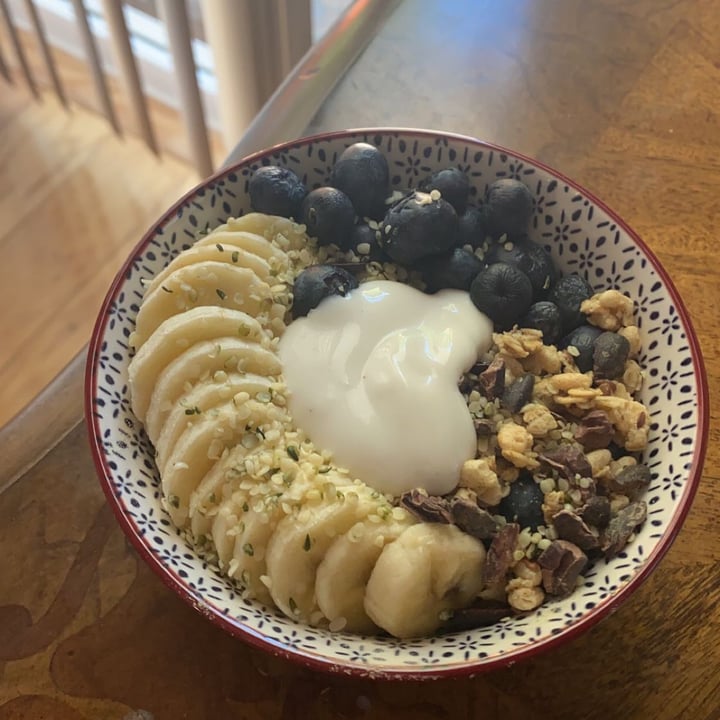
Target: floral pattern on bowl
582,235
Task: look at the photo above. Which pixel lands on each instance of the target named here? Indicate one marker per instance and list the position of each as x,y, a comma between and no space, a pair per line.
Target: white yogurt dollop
373,379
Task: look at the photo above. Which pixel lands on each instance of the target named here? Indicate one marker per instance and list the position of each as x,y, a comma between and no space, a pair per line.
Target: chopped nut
561,564
479,476
528,570
571,527
491,381
617,466
426,508
609,310
526,598
569,461
499,556
618,503
481,613
621,527
516,445
472,519
594,430
632,480
596,512
538,419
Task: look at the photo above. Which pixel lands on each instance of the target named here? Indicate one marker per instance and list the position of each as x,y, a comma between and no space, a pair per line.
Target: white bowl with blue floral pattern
583,236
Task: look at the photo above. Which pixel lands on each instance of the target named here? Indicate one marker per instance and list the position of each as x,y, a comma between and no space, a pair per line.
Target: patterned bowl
583,235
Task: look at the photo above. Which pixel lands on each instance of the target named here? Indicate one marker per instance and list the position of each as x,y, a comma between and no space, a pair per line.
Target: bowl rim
317,662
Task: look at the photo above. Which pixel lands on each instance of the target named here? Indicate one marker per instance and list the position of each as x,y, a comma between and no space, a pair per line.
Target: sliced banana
205,396
256,526
227,524
200,361
218,252
249,241
195,452
177,334
299,544
343,574
223,479
204,283
270,227
430,569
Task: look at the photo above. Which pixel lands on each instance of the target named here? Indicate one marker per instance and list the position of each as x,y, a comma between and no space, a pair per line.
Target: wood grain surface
621,96
74,200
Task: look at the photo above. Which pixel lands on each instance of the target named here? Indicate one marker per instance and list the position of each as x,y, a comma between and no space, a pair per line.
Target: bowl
583,235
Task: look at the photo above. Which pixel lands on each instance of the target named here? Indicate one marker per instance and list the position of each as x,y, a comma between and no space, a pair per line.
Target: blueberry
529,257
328,215
362,173
363,242
418,227
582,338
456,270
317,282
523,504
276,191
610,352
509,208
452,184
503,293
544,316
568,293
472,227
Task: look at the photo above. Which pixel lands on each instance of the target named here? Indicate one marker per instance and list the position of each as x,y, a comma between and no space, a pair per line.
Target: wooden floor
74,200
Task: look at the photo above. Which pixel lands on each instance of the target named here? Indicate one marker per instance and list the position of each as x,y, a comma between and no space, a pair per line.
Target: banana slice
269,226
177,334
217,486
345,570
205,396
299,544
256,525
195,452
236,414
261,516
216,253
429,569
204,283
227,524
249,241
226,354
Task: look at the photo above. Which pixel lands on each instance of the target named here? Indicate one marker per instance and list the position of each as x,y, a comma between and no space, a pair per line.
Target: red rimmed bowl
583,235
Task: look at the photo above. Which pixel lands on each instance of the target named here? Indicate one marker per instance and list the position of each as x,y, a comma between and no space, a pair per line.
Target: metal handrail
296,101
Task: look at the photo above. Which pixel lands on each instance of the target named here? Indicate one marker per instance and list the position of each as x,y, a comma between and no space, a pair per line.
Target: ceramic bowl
583,235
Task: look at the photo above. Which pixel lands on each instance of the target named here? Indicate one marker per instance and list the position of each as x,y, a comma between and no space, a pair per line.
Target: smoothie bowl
396,403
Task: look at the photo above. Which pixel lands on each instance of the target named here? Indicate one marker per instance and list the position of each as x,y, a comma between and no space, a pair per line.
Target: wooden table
623,97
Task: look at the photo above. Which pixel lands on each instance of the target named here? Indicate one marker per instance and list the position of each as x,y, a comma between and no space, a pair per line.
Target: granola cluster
556,482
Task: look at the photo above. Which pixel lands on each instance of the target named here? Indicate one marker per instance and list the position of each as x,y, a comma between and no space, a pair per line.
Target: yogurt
373,378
